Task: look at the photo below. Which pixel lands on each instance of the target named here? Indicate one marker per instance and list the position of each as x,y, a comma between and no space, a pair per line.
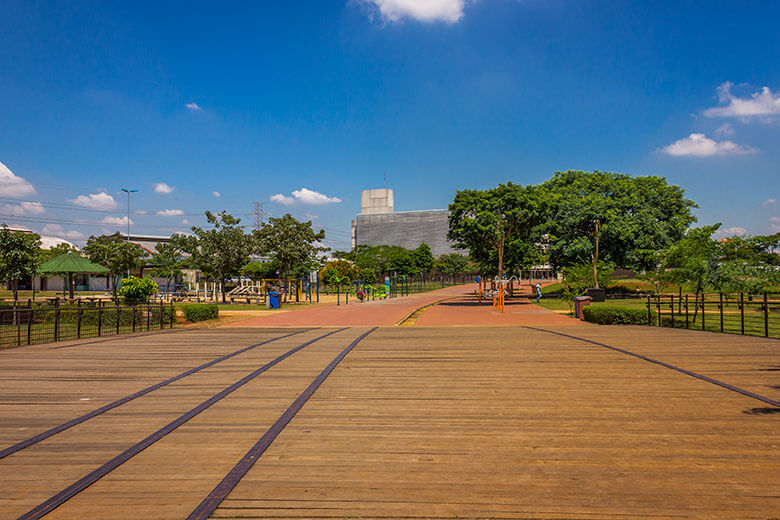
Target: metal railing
736,313
29,323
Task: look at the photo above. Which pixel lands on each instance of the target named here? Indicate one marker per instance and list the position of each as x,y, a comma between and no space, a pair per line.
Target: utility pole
128,191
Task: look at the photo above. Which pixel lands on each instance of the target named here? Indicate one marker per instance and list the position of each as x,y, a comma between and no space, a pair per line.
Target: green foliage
744,276
54,252
693,258
200,311
382,259
580,276
219,252
137,290
452,264
290,243
498,226
260,270
169,260
19,256
115,253
605,314
367,275
423,258
343,268
638,216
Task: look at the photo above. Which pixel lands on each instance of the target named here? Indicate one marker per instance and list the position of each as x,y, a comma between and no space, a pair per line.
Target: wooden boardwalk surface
417,422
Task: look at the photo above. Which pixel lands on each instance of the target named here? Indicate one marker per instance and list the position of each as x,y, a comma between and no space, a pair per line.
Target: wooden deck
415,422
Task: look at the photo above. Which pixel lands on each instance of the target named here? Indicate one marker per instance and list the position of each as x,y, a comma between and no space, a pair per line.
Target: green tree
367,275
54,252
219,252
260,270
137,290
291,243
498,226
169,260
19,256
693,259
452,263
114,253
637,215
344,268
423,258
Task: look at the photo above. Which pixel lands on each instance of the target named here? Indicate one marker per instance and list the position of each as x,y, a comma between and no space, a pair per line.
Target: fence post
134,308
29,321
687,326
173,314
742,312
57,318
658,308
671,306
148,315
18,323
100,317
649,311
703,296
162,313
679,302
766,315
117,309
720,308
78,319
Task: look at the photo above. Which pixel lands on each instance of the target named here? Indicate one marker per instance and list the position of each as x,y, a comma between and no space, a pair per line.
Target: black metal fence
29,323
736,313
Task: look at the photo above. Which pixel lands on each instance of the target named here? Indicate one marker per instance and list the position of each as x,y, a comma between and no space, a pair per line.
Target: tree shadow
765,410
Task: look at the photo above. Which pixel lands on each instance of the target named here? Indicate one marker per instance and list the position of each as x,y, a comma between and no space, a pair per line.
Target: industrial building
377,224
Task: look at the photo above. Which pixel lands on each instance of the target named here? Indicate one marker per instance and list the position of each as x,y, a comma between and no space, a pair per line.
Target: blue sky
309,103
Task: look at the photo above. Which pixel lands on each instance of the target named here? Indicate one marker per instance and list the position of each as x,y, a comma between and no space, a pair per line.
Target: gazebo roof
71,262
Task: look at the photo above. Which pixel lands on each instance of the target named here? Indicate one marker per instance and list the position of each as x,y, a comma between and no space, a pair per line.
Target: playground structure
247,291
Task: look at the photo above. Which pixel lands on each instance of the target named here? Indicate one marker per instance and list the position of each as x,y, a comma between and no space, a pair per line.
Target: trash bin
579,303
273,298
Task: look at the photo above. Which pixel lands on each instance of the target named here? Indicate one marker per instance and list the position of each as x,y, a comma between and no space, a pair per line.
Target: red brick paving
460,309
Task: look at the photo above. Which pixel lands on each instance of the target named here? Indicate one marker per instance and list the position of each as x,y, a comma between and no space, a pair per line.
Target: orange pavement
459,309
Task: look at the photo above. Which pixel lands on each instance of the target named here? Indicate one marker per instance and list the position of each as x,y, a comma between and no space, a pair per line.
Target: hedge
201,312
614,315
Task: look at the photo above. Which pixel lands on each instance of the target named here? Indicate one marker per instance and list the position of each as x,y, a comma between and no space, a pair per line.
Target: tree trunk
15,288
501,259
595,259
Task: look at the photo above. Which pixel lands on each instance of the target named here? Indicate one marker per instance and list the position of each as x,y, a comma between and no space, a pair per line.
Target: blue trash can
273,297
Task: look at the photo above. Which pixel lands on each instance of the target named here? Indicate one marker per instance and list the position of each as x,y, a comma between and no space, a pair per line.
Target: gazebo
70,263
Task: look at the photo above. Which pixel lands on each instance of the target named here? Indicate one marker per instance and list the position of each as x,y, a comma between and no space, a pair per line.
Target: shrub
137,290
201,312
615,315
367,275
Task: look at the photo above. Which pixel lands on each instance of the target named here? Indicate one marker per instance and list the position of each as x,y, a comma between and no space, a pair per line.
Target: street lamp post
128,191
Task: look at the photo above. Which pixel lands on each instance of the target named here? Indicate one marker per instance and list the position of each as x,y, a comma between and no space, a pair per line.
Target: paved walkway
458,307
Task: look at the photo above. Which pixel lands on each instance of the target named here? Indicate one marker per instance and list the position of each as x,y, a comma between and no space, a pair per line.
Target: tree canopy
115,253
291,244
637,215
19,256
498,226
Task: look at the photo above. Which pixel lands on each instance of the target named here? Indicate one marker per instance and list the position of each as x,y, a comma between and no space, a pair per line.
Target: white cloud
767,202
185,222
140,212
311,216
449,11
216,193
194,107
100,200
170,213
12,185
32,208
59,231
775,220
699,145
282,199
760,104
308,196
118,221
724,130
730,232
22,209
163,188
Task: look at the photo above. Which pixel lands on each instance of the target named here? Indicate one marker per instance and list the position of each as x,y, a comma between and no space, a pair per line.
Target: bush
614,315
201,312
137,290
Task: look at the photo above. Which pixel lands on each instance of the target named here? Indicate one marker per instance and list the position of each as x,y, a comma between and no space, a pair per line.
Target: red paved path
461,310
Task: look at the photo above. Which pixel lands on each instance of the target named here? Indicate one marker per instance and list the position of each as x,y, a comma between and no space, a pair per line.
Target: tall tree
19,256
219,252
637,216
497,226
291,243
116,254
168,261
55,251
423,258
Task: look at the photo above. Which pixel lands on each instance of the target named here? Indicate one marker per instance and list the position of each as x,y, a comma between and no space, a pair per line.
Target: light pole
128,191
